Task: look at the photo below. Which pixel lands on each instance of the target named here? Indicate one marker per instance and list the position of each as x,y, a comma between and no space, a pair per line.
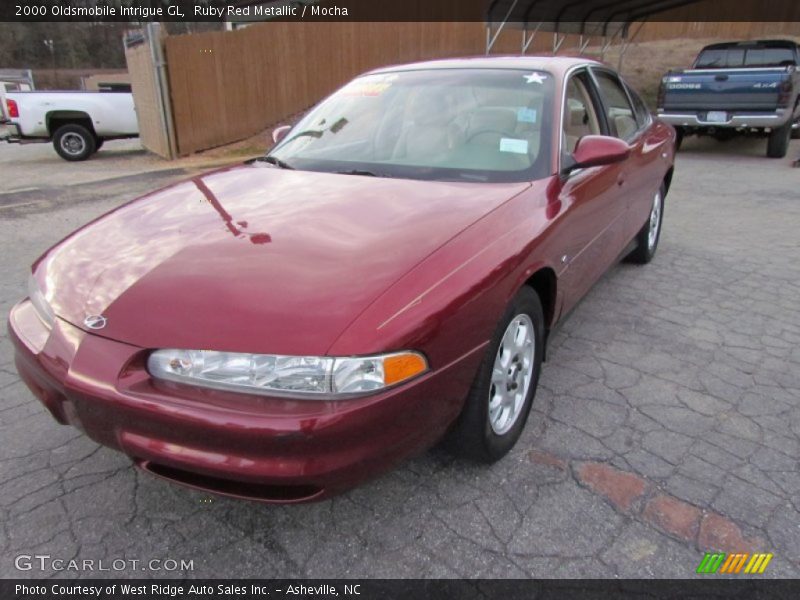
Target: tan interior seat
488,124
626,125
576,126
579,118
428,134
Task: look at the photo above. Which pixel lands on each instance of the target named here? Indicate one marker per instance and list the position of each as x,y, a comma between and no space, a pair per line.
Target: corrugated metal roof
588,17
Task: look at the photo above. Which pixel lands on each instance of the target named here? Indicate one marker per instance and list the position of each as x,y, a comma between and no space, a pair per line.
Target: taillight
662,92
785,93
13,109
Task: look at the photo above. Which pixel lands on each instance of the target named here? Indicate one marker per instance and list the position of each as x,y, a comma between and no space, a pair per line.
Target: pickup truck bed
737,88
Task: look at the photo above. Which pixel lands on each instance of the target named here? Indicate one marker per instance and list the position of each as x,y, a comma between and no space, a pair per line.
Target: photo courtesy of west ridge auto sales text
356,299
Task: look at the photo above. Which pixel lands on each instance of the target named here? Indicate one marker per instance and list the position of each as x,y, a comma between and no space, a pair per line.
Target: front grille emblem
95,321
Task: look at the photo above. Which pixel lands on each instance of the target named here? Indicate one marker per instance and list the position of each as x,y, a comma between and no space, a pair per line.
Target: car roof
752,44
557,65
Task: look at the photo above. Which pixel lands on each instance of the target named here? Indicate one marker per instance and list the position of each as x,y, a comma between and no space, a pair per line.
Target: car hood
255,259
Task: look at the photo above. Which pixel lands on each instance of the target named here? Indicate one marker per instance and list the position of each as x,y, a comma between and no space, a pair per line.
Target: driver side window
580,117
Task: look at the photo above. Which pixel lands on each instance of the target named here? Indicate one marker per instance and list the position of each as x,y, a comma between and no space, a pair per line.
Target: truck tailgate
724,89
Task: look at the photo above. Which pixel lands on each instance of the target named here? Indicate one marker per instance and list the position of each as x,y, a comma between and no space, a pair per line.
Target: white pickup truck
77,122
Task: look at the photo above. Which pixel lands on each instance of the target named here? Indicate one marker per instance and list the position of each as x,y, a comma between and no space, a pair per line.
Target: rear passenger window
621,118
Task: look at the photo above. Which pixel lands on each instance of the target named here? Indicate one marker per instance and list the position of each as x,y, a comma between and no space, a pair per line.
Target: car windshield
438,124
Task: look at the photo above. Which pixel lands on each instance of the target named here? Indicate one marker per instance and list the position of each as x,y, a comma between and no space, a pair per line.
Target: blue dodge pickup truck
736,88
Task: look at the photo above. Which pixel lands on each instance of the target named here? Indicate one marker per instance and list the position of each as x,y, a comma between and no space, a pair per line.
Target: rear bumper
14,135
735,120
252,447
10,131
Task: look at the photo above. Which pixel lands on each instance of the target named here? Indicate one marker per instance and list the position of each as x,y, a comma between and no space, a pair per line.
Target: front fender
449,304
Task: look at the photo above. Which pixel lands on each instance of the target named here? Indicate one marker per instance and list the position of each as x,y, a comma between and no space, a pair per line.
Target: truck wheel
778,143
796,130
74,142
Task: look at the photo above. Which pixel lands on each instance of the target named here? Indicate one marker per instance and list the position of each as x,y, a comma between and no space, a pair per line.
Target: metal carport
605,19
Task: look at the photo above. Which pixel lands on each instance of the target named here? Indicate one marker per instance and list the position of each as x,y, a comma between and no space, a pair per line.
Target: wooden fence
152,128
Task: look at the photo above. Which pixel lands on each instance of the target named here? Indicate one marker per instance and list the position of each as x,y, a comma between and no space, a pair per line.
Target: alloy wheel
511,374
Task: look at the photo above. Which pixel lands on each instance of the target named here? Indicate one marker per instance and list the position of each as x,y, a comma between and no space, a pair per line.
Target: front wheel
74,142
501,396
650,233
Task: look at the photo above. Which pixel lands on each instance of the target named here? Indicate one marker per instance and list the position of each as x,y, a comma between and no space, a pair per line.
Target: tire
778,142
98,143
74,142
649,235
796,130
679,135
486,436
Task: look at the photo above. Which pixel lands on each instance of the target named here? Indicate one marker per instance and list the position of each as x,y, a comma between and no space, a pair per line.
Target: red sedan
388,275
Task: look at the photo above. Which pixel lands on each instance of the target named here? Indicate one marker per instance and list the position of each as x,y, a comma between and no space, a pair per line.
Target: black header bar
519,11
744,588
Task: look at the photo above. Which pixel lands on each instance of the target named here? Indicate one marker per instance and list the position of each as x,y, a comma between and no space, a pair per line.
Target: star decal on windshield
534,78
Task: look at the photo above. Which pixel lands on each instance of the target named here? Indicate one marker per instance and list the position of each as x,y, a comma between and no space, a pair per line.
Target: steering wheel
483,131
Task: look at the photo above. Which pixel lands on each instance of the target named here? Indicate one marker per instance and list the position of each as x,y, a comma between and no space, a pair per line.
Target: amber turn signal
399,367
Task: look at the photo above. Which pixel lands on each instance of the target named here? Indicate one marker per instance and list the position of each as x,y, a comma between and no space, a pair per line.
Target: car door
632,125
592,209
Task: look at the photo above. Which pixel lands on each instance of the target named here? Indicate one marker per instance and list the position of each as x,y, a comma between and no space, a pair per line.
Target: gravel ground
666,424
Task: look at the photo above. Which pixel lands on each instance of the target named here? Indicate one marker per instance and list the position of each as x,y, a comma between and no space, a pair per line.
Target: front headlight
43,308
271,374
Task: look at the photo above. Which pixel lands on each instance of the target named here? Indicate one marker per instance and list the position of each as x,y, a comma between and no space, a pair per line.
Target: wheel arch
668,179
544,282
56,118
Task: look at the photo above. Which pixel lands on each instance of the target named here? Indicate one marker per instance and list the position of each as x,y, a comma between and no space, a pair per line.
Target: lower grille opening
261,492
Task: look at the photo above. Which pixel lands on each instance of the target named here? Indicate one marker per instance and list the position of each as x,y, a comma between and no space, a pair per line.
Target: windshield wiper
359,172
274,160
314,133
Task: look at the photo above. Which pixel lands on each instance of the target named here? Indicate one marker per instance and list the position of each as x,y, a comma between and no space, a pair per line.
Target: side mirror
597,150
280,132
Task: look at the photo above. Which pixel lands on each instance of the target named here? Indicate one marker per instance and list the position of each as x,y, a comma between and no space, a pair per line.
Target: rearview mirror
597,150
280,132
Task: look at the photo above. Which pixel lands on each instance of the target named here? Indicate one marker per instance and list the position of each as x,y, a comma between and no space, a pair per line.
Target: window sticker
366,88
526,115
513,145
534,78
370,85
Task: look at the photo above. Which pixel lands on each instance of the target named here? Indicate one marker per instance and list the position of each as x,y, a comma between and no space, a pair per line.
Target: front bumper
735,120
253,447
